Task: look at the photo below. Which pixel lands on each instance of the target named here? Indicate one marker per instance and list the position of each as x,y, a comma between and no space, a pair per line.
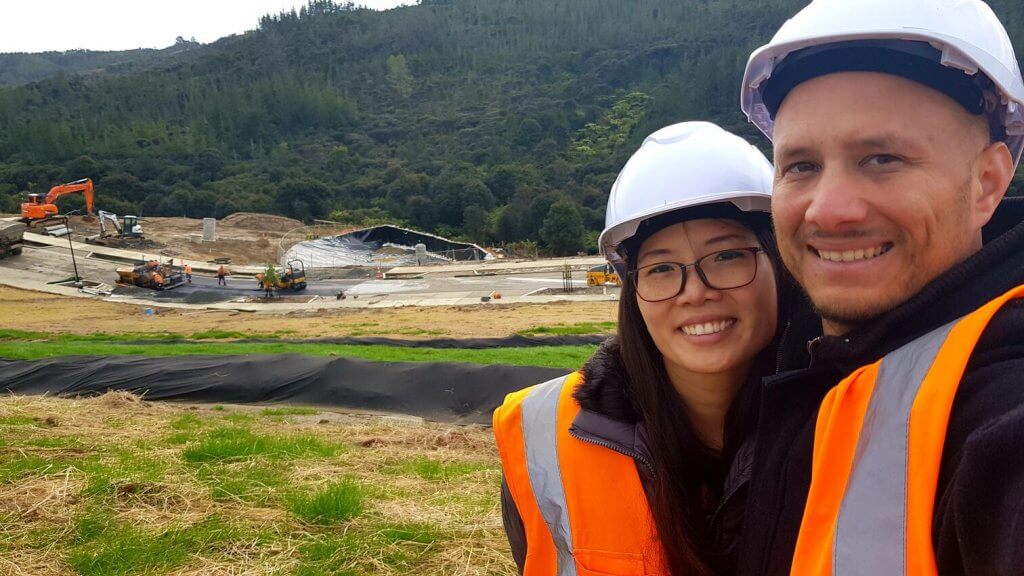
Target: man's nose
836,201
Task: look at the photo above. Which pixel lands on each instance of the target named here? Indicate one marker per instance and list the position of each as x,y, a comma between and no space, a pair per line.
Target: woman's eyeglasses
722,270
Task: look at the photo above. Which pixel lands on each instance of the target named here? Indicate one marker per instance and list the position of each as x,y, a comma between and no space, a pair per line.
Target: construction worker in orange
890,441
222,271
188,273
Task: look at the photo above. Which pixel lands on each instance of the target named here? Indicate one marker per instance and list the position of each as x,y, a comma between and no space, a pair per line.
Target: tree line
494,121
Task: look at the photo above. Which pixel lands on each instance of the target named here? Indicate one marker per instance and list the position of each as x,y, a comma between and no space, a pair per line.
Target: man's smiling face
881,185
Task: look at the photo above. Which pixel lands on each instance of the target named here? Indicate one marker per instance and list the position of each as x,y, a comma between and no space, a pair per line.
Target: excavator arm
110,217
84,186
38,209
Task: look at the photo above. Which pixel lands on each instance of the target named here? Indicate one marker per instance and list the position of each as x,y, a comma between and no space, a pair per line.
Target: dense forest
496,121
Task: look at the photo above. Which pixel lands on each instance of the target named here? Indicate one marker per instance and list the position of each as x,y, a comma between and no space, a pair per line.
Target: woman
618,469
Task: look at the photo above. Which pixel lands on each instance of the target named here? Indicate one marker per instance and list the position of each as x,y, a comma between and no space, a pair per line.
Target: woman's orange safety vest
583,506
877,451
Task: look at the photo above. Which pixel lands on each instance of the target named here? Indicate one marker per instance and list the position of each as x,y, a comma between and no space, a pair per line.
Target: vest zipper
614,448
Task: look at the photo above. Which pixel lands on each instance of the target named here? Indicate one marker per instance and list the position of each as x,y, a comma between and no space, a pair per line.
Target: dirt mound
255,221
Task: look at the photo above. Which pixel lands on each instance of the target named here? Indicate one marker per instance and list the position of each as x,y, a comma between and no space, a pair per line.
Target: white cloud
43,25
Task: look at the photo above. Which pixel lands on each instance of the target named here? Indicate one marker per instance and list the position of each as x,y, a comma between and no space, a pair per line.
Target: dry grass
36,311
100,486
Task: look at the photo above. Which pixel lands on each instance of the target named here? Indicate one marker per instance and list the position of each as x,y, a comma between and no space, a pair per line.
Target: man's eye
880,160
801,168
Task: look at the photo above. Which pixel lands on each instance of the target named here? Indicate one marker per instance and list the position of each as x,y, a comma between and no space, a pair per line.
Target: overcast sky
43,25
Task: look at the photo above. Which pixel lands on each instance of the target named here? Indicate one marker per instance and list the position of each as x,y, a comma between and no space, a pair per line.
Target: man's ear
994,171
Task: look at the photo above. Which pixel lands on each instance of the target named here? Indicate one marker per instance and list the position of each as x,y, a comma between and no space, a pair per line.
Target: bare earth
40,312
246,238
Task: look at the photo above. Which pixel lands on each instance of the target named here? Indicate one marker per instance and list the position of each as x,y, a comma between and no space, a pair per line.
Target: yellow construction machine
152,275
601,275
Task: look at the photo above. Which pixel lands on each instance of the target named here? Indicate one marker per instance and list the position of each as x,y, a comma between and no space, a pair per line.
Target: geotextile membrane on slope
442,392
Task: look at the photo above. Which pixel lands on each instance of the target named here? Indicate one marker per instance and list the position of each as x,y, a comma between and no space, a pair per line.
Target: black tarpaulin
442,392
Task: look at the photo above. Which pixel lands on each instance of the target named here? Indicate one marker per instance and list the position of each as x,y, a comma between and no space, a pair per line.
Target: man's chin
844,317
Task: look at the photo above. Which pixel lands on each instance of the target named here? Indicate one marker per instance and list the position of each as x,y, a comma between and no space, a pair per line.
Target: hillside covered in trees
498,121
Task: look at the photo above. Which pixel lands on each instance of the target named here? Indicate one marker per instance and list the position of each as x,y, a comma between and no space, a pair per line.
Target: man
897,126
222,271
188,273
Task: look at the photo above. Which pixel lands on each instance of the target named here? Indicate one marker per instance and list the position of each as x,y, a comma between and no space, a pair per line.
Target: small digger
291,278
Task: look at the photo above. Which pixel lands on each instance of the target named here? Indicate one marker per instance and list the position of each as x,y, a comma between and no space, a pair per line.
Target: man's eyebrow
881,141
875,141
784,152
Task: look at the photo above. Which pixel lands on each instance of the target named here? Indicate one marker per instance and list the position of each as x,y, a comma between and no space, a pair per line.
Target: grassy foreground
19,345
117,486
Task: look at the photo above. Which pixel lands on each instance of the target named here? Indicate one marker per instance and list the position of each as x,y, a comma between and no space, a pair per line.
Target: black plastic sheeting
404,237
442,392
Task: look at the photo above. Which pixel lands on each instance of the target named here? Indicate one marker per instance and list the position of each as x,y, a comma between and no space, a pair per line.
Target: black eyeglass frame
754,250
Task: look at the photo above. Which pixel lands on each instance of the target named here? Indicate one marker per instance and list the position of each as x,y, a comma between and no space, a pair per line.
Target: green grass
570,330
22,466
55,442
217,335
20,420
186,422
7,334
566,357
122,473
438,471
227,444
331,504
418,533
240,418
254,482
108,547
289,411
230,495
397,546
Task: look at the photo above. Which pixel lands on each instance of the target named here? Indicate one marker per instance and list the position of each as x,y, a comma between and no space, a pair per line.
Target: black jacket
607,418
978,527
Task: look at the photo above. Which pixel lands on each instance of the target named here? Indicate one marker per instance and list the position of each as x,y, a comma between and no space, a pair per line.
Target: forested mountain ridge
19,68
495,120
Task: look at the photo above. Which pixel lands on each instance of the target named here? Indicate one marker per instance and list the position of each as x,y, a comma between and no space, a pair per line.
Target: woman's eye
727,255
659,269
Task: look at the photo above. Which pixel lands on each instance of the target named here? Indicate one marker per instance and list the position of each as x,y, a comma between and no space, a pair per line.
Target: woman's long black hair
688,474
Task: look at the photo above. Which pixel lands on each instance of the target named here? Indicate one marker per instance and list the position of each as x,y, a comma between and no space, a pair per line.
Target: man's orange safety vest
583,506
877,450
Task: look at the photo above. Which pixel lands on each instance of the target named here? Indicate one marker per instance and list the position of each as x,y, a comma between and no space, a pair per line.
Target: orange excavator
40,207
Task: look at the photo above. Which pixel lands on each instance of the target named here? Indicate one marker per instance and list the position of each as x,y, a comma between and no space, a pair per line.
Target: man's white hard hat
965,35
683,166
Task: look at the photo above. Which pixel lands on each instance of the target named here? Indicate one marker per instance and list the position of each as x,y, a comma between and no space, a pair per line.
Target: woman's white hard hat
966,33
682,166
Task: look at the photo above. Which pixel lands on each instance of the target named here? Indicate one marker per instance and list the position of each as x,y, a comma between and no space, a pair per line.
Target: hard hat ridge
917,61
679,167
965,37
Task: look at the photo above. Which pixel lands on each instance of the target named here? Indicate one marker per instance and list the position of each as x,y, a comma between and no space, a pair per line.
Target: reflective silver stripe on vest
540,434
870,536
